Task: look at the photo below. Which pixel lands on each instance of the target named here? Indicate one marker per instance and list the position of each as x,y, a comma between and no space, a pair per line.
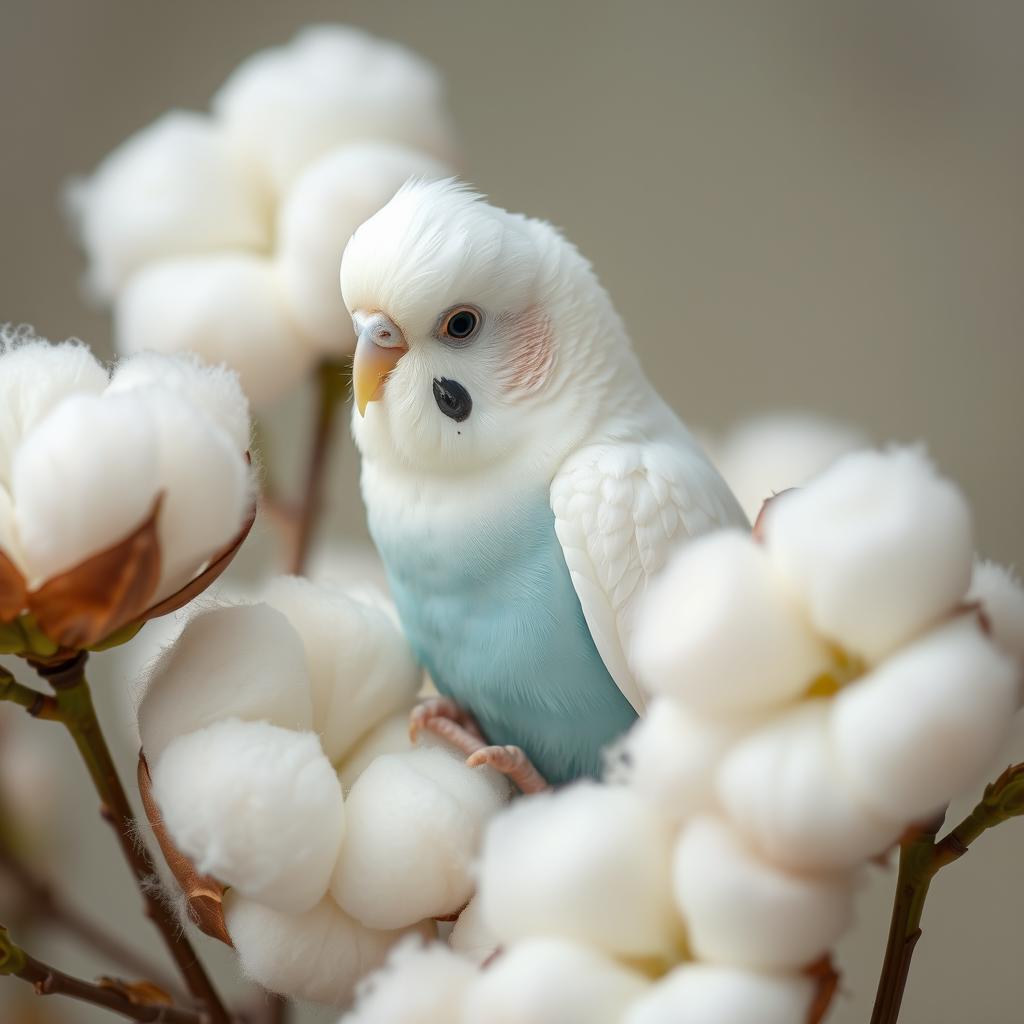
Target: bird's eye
460,324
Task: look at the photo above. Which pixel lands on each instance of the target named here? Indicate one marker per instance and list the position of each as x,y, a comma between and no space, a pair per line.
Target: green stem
921,859
75,710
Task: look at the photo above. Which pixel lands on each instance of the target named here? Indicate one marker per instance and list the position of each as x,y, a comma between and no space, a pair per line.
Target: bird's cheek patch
529,348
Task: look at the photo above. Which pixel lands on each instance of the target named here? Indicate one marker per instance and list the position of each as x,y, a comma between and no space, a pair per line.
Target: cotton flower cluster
767,454
222,233
276,735
115,489
817,690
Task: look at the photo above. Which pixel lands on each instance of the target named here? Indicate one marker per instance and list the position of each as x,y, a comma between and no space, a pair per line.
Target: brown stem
76,712
331,389
921,859
134,1002
48,908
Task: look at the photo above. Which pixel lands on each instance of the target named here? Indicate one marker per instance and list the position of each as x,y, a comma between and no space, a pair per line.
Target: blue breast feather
492,615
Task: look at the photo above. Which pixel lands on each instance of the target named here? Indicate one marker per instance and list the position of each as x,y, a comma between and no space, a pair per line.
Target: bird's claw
513,762
446,719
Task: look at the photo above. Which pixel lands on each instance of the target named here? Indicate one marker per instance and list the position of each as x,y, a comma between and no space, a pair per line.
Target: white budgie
522,477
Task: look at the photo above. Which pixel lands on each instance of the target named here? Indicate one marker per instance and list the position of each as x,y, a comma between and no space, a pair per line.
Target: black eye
460,323
452,399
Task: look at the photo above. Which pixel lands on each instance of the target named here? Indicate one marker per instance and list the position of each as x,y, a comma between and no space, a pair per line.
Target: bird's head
481,333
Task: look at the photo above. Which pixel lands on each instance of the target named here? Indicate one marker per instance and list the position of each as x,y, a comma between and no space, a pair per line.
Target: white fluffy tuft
255,806
999,591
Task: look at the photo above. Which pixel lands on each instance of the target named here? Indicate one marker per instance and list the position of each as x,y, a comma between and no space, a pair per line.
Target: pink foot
444,718
514,763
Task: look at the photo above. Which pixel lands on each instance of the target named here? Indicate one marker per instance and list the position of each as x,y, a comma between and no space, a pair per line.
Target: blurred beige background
794,204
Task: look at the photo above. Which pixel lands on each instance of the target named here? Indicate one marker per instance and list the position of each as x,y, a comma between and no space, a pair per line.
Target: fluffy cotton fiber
589,863
257,807
415,821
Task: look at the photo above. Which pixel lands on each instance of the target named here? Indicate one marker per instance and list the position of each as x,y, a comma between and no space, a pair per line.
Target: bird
523,479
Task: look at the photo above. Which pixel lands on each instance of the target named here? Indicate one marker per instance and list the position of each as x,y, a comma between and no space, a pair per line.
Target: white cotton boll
244,662
227,308
670,756
10,545
923,725
415,822
768,454
589,863
172,189
389,737
320,955
331,85
83,479
471,938
551,981
360,663
710,994
34,377
256,806
206,485
418,985
1001,596
717,631
782,787
742,911
878,547
319,215
215,390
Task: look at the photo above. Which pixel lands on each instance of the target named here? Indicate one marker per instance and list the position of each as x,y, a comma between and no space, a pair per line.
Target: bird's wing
619,510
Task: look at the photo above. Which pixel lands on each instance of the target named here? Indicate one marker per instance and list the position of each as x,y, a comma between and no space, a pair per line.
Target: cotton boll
551,981
10,545
389,737
34,377
213,389
228,308
742,911
244,662
255,806
768,454
710,994
360,663
1001,596
471,938
172,189
319,955
84,479
878,547
418,985
670,756
415,821
206,485
923,725
321,211
718,632
782,787
589,863
331,85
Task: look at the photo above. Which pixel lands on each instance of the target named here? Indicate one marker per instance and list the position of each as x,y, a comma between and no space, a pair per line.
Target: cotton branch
922,856
139,1003
73,707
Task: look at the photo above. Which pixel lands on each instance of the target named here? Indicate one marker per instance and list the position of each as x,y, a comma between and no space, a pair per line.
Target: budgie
522,477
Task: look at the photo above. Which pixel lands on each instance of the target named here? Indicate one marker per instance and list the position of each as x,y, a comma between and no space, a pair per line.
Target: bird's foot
446,719
513,762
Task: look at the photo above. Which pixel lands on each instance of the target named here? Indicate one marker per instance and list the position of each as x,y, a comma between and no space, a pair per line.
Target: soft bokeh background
794,204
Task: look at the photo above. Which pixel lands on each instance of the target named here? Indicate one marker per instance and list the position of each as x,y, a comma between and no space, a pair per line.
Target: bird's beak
380,343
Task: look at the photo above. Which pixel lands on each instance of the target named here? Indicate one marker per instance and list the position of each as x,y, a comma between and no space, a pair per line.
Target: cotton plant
281,777
820,691
221,232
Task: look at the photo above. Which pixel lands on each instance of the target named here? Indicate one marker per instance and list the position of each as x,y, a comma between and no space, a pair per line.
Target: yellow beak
378,348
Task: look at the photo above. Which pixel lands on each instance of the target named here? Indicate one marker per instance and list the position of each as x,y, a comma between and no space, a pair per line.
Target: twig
921,858
76,712
332,383
47,907
130,1001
